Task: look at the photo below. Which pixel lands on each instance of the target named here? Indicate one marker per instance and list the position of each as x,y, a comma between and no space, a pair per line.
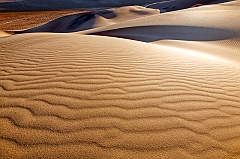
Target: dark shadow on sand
71,23
164,32
173,5
219,1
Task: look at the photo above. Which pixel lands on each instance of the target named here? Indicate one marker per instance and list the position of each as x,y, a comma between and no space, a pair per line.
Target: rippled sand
151,86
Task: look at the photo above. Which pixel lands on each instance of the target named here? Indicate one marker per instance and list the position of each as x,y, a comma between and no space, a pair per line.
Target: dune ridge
206,28
128,105
132,84
93,19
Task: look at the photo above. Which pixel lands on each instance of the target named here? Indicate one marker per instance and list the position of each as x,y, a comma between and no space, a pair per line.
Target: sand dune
128,98
98,18
172,5
222,16
13,5
140,86
206,28
30,5
26,20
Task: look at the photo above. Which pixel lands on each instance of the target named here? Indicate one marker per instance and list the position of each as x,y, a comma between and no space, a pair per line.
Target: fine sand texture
26,20
139,84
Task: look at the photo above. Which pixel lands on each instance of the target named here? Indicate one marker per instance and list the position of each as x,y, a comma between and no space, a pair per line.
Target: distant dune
172,5
93,19
126,82
26,20
33,5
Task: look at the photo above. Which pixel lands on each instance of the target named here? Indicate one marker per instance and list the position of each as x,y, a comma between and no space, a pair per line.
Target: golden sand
152,93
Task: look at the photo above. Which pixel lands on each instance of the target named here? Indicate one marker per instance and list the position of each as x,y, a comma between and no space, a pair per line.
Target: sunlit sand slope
93,19
74,96
212,29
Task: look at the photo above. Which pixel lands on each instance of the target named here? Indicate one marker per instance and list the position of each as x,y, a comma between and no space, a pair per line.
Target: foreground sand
71,95
128,99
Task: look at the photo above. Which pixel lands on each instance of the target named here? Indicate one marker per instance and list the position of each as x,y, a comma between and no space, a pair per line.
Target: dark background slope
34,5
31,5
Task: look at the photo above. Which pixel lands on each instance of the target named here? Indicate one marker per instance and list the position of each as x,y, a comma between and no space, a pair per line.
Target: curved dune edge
211,29
93,19
227,49
212,16
119,98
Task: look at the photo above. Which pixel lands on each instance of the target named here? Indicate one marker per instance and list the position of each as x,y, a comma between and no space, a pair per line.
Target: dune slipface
94,19
212,29
160,86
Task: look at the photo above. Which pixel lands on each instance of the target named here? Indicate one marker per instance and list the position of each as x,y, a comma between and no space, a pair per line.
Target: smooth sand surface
169,87
210,29
94,19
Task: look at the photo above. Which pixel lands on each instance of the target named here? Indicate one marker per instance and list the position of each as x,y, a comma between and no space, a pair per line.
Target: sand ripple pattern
130,98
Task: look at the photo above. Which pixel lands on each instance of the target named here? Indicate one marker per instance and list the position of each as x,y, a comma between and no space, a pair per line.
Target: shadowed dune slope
31,5
220,16
80,96
172,5
107,17
85,21
211,29
162,32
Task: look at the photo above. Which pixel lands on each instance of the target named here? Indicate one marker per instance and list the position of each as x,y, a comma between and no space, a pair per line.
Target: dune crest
94,19
129,83
206,28
145,98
